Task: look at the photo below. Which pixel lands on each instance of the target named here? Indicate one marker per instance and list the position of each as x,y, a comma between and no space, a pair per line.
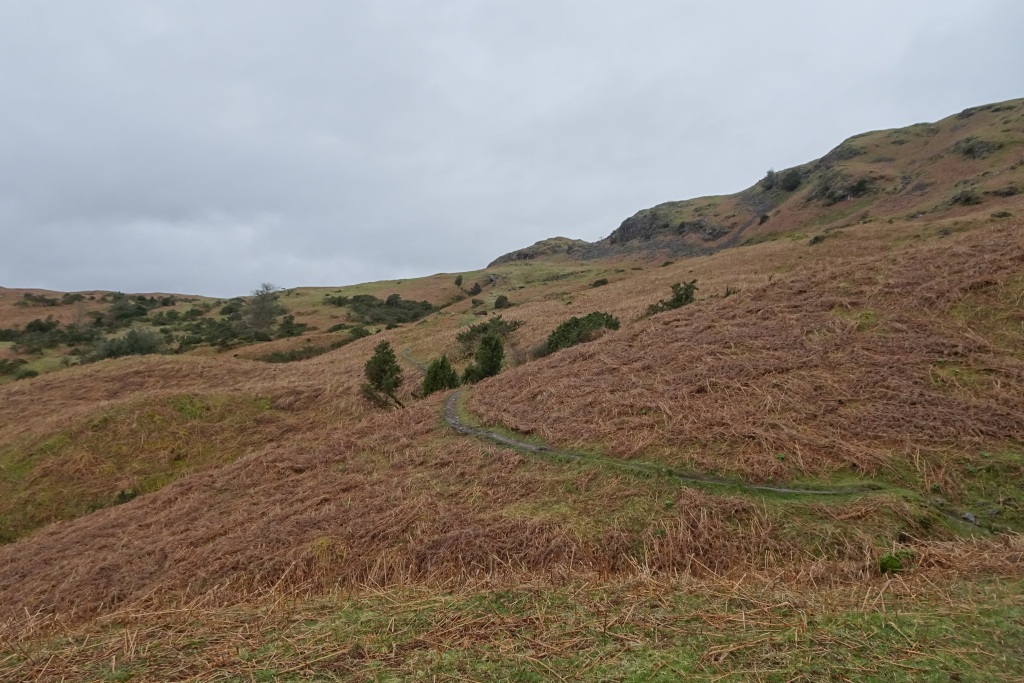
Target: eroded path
451,416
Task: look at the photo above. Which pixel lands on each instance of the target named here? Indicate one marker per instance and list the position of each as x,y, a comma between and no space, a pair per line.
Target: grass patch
137,449
611,631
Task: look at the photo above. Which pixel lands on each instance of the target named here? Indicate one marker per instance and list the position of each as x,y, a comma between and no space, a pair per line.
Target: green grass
83,468
638,631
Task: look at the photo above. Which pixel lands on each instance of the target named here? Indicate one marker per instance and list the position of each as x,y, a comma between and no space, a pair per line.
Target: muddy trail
451,416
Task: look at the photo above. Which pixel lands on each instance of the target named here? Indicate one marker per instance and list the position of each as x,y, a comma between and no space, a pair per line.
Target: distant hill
971,162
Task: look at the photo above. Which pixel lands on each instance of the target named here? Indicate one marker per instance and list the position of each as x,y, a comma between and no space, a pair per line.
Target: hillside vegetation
814,471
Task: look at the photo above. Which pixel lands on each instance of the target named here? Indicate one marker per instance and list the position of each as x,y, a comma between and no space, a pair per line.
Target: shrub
383,375
966,198
336,300
368,309
487,361
440,376
125,495
578,330
682,294
763,219
358,332
476,289
10,367
790,180
502,302
768,182
135,343
338,328
599,283
26,373
458,280
290,328
69,298
497,325
896,561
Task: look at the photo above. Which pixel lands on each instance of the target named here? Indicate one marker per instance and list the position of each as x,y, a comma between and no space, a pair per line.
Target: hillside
815,470
965,163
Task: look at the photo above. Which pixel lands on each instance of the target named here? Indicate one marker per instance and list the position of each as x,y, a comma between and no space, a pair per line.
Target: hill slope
284,528
964,164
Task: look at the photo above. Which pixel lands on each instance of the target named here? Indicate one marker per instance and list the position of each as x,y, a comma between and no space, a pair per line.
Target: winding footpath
451,416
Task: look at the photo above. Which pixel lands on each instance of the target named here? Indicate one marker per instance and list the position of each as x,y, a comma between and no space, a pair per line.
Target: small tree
440,376
383,376
476,289
768,182
262,309
458,280
502,302
488,359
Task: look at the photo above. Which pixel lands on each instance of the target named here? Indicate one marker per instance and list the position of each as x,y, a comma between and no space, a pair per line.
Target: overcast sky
206,147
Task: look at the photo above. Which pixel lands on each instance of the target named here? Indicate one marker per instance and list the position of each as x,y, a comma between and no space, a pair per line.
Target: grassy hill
812,471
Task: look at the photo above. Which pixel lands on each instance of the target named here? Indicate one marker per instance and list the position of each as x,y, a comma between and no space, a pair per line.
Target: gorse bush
577,330
440,376
682,294
487,361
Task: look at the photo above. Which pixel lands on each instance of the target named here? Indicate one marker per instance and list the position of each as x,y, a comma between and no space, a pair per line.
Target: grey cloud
196,146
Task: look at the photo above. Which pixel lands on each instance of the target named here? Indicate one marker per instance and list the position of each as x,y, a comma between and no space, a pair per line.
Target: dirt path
451,416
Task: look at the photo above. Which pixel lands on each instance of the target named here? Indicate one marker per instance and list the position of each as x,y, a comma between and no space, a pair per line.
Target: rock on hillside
545,249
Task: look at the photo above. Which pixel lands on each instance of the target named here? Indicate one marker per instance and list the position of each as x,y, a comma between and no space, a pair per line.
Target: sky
207,147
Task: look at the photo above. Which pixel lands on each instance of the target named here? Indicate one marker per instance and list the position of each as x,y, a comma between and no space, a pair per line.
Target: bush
502,302
599,283
681,296
26,373
476,289
290,328
440,376
458,280
966,198
368,309
10,367
895,562
768,182
497,325
790,180
383,375
487,361
338,328
135,343
358,333
578,330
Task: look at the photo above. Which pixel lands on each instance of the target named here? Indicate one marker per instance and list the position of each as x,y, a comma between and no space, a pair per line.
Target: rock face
549,248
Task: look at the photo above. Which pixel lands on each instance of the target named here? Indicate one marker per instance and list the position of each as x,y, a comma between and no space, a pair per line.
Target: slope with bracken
885,354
